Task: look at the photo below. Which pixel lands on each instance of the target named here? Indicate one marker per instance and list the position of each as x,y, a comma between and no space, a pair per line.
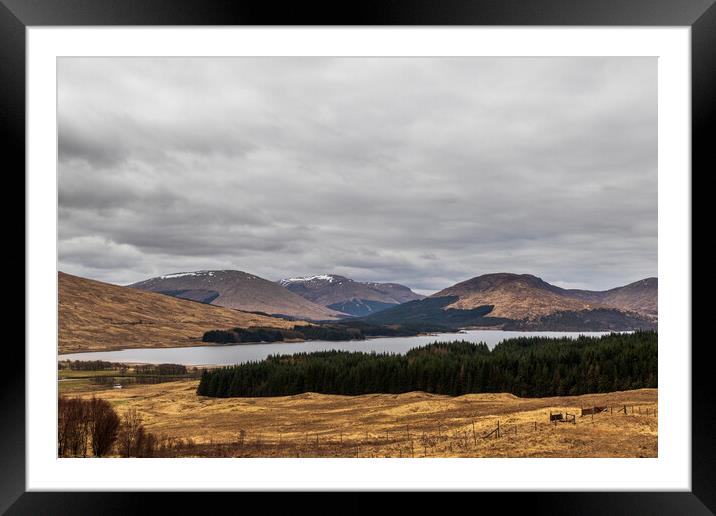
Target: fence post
535,426
474,437
498,428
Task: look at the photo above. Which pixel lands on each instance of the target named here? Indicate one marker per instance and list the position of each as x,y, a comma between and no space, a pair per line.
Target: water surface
240,353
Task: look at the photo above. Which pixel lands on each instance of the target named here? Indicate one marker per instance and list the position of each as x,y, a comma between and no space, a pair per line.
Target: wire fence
427,438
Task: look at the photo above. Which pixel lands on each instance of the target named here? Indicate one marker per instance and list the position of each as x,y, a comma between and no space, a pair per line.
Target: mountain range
348,296
524,301
507,300
176,309
240,290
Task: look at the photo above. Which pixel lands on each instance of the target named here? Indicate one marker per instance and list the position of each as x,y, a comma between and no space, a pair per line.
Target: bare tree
104,425
72,427
130,433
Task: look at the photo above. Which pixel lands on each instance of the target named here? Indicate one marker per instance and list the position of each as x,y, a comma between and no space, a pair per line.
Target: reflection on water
240,353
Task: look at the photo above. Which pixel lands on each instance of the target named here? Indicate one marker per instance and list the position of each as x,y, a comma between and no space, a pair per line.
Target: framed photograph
417,248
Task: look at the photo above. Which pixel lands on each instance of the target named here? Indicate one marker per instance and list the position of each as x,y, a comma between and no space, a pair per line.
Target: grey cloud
420,171
114,140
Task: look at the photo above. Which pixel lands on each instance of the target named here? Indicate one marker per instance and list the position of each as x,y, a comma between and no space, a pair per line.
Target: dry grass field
96,316
414,424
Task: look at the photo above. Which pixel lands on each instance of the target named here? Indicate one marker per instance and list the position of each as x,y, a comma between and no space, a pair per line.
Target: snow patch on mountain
182,274
322,277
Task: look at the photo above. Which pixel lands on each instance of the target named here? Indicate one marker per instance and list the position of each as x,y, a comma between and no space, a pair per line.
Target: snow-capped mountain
237,289
348,296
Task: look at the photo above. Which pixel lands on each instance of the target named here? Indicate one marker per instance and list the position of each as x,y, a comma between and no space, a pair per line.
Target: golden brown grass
414,424
517,301
96,316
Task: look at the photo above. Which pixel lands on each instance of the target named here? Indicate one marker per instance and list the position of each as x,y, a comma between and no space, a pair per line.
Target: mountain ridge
525,296
349,296
526,302
239,290
639,296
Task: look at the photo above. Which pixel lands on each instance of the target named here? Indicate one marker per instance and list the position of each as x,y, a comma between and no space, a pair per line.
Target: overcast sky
421,171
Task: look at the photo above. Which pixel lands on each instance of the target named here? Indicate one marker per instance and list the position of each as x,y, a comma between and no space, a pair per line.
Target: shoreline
202,344
337,345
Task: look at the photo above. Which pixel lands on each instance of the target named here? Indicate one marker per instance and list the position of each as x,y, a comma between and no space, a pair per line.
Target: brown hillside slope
514,296
640,296
240,290
96,316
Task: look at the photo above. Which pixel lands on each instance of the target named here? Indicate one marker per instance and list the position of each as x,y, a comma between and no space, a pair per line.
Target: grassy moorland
414,424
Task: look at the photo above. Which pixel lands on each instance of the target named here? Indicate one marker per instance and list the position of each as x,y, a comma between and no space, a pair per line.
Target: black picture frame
700,15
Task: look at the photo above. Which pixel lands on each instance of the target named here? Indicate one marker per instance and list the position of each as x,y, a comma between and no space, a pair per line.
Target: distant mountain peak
209,273
347,295
330,278
525,296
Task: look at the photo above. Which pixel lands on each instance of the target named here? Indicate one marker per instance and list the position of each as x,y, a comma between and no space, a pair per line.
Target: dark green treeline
527,366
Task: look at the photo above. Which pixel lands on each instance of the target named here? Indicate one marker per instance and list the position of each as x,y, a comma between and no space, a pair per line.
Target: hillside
514,296
640,296
526,302
433,314
360,307
96,316
237,289
349,296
